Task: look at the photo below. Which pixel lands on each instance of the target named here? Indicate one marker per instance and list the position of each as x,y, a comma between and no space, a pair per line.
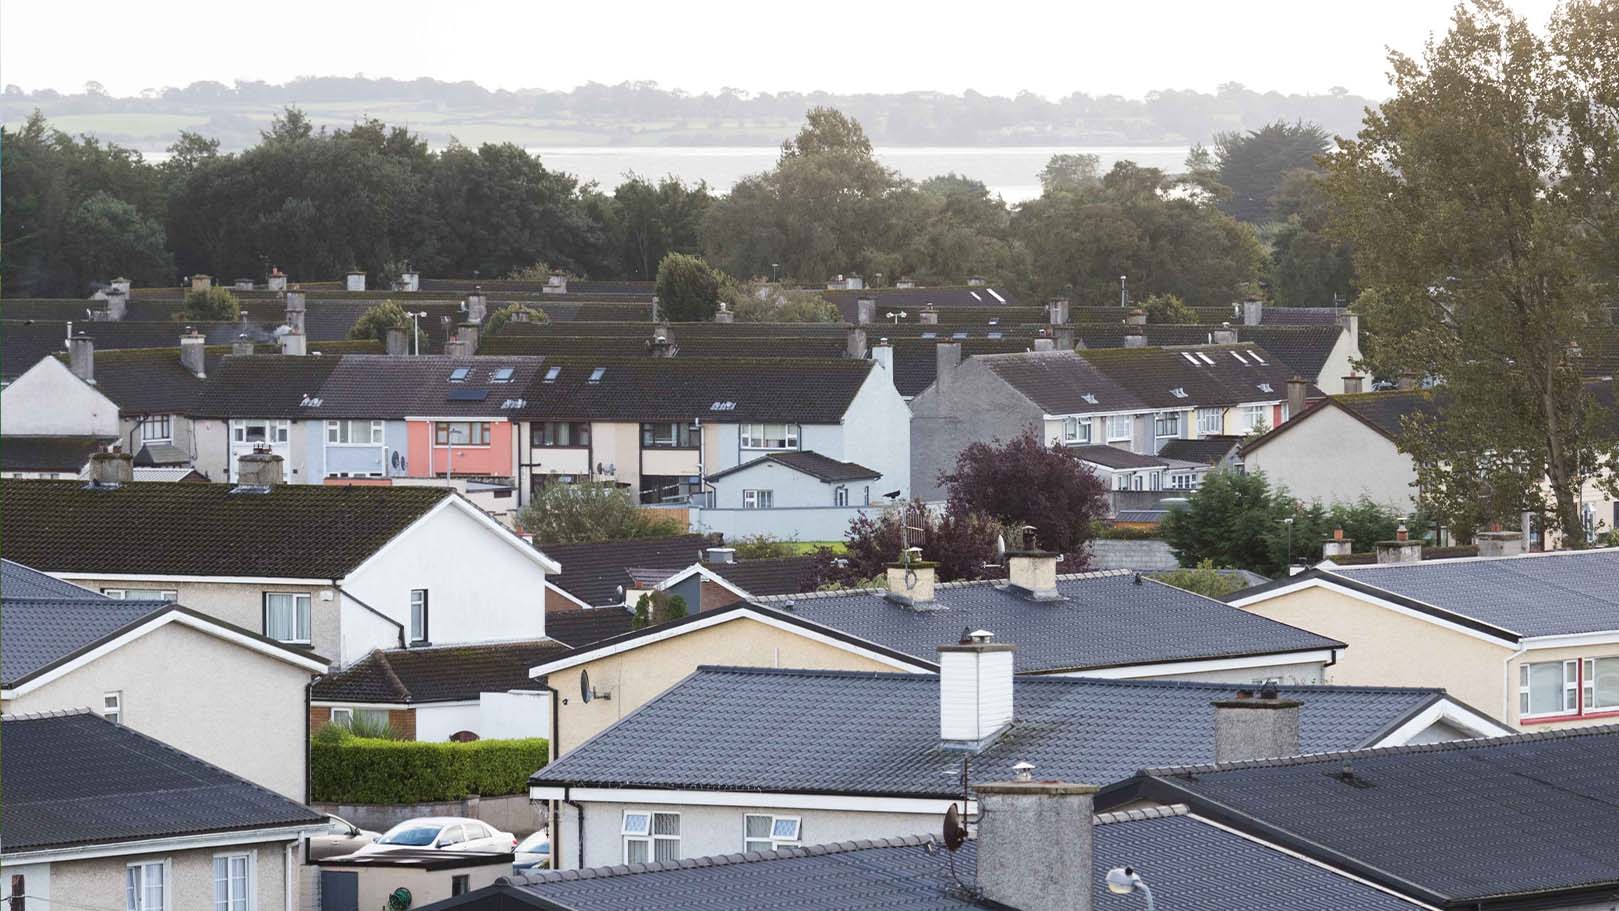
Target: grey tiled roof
817,466
39,632
847,732
19,581
1105,619
593,571
1453,823
771,575
1189,863
1115,457
1061,382
1204,450
1533,595
74,779
52,453
1232,374
436,674
580,628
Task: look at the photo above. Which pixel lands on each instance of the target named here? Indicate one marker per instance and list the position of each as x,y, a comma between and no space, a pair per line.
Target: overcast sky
1045,46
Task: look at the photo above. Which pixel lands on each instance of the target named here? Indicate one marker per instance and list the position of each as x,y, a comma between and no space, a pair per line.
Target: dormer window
460,374
501,375
551,374
597,374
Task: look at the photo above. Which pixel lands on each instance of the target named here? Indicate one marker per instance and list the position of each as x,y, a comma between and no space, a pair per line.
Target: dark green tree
688,288
215,304
1252,164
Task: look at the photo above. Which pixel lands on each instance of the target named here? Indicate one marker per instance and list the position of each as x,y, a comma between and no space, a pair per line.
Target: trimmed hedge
362,770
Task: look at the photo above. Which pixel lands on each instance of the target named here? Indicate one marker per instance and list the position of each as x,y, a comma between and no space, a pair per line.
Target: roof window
459,374
958,335
1239,357
997,335
1257,358
597,374
551,374
1206,359
501,375
1189,358
930,335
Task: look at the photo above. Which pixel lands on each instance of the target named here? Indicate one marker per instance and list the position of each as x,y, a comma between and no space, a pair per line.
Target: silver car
344,837
443,833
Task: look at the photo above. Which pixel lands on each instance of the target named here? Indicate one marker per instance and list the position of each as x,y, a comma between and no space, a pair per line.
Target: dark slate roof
913,300
1451,823
1189,864
1106,619
581,628
916,360
379,386
1152,374
1301,316
266,386
40,632
1544,594
19,581
817,466
1303,348
1061,382
1114,457
680,389
1204,450
74,779
770,576
151,380
849,732
293,531
19,453
592,572
449,673
1386,411
556,343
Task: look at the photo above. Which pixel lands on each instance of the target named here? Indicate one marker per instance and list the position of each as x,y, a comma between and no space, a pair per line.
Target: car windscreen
411,836
538,843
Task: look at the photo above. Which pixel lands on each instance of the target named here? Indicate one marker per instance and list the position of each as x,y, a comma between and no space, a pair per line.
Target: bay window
461,433
354,433
286,616
769,436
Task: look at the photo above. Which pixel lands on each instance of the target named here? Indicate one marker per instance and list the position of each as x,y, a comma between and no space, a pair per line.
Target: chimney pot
1255,727
1035,843
81,357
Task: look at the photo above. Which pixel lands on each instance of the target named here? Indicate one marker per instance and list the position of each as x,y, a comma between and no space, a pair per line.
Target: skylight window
1189,358
997,335
501,375
958,335
994,322
459,374
994,295
551,374
1206,359
1090,397
597,374
930,335
975,296
1239,357
1257,358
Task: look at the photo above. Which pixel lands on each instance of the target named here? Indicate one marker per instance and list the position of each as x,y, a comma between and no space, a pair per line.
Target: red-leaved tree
961,543
1026,482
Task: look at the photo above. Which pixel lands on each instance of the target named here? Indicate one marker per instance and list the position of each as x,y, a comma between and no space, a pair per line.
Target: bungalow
337,570
1532,639
137,663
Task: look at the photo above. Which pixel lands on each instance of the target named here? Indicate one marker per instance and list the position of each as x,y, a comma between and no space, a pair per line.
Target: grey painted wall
971,405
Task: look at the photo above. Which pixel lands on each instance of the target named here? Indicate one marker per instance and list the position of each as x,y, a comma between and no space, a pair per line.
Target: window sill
1571,716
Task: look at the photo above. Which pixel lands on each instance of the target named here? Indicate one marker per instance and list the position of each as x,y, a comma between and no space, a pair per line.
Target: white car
443,833
533,853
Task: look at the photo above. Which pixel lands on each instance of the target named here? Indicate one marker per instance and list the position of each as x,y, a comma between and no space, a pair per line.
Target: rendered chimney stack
277,280
1253,312
1058,311
1298,390
1351,325
975,690
410,281
1496,543
1353,384
905,282
356,281
1045,343
468,335
242,284
928,316
976,281
192,354
723,314
242,345
855,343
295,310
117,303
947,358
1135,339
721,555
395,342
294,344
1035,844
121,284
911,580
1400,550
81,357
259,468
1337,545
477,306
111,468
882,354
1062,338
1250,726
1136,317
865,311
1225,335
1031,570
454,347
201,282
556,283
1407,381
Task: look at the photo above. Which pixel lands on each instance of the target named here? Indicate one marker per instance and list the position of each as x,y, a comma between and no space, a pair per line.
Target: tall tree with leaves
688,288
1480,204
1252,164
1026,482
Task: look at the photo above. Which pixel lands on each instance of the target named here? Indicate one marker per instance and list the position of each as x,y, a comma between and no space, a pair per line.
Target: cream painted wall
1334,458
99,883
1559,654
1387,648
1345,352
426,886
636,676
669,462
1294,673
49,400
241,604
163,678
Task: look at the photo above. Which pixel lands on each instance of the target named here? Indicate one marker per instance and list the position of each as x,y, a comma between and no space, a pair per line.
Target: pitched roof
266,386
915,299
1456,823
1386,411
29,453
379,386
1304,348
1204,450
771,575
807,391
863,733
1189,862
1060,382
74,779
449,673
1302,316
1207,374
292,531
40,632
1105,619
581,628
150,380
19,581
593,571
1542,594
1114,457
813,464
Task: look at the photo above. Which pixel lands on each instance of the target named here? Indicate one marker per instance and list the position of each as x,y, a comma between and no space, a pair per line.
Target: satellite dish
954,832
584,686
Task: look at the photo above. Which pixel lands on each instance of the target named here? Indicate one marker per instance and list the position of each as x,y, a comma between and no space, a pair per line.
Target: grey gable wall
978,406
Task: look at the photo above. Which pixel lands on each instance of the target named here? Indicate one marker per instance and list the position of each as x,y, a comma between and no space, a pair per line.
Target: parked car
344,837
533,852
444,833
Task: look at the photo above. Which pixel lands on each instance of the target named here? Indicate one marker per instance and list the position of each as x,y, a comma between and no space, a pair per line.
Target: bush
362,770
215,305
375,322
1204,580
575,513
762,547
688,289
499,319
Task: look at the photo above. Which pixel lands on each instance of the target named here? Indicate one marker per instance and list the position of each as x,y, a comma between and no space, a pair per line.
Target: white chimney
117,303
1033,572
1499,543
1337,545
477,306
395,343
1253,313
975,690
410,281
883,354
1400,550
122,284
905,282
556,283
277,280
865,311
192,353
356,281
259,469
295,310
111,468
721,555
1044,343
1057,310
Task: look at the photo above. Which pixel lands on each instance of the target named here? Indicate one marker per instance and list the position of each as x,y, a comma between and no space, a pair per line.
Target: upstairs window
651,837
669,435
461,433
1118,428
769,436
1076,431
418,615
1210,422
761,832
286,616
157,429
146,886
112,706
1253,417
560,434
354,433
1549,688
258,431
1167,423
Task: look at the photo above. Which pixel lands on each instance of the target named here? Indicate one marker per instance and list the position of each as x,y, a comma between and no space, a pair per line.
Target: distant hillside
642,114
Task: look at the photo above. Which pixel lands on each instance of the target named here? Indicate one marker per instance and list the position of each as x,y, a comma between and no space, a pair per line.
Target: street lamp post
1124,296
1289,523
1124,880
416,330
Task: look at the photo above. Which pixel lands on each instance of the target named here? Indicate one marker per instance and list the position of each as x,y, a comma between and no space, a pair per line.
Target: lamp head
1122,880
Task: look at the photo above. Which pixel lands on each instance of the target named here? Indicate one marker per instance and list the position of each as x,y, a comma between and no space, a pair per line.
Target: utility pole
1124,296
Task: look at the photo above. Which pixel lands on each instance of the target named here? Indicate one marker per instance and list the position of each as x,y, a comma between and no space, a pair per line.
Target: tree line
316,203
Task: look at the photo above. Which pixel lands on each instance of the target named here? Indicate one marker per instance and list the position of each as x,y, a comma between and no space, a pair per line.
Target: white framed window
157,429
769,436
1181,481
1119,427
1210,422
233,882
1548,688
1076,431
112,706
141,594
840,496
1167,423
418,615
344,717
1137,482
651,837
258,431
286,616
354,433
1254,416
758,499
1121,482
763,832
146,886
1600,684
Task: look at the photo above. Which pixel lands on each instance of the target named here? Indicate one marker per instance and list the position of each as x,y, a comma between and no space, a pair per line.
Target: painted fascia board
390,706
1136,671
1443,709
158,577
505,534
1564,640
707,575
160,845
152,625
1325,582
719,617
551,585
777,800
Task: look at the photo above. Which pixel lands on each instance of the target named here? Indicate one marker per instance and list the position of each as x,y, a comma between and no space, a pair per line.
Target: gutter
1507,689
400,627
553,808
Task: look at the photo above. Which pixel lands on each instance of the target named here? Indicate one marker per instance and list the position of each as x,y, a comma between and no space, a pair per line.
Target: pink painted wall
428,460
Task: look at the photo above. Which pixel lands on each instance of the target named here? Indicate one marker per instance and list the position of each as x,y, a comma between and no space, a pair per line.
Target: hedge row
362,770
